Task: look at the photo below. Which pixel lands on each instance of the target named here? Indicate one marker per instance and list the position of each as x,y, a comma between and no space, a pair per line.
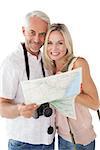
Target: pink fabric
81,128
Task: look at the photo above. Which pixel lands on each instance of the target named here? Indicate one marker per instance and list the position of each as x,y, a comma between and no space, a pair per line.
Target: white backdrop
82,19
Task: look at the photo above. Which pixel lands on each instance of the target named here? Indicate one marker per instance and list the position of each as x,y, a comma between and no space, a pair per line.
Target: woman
59,57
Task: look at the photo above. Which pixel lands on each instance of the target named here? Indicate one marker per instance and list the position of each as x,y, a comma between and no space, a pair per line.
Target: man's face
35,34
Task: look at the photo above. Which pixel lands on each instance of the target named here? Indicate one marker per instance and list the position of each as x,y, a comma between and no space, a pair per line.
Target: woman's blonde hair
49,63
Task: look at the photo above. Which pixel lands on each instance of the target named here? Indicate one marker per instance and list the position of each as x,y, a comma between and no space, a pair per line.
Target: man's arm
9,109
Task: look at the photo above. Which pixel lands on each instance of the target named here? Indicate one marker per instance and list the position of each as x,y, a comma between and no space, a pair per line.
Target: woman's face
56,47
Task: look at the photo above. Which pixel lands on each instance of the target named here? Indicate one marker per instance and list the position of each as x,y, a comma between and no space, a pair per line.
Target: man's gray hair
39,14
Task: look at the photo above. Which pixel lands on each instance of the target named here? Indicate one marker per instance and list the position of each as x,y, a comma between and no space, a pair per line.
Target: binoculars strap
27,63
72,135
98,112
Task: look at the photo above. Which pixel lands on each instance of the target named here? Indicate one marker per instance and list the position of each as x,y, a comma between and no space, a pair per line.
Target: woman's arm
88,96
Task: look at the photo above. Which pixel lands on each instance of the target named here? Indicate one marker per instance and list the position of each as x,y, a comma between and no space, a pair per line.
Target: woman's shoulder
81,62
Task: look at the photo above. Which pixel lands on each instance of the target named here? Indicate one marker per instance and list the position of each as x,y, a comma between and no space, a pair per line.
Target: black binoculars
44,109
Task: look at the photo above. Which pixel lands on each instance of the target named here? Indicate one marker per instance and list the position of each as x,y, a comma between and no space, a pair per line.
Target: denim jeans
17,145
66,145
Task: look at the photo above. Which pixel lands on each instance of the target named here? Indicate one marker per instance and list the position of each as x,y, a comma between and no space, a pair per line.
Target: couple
29,133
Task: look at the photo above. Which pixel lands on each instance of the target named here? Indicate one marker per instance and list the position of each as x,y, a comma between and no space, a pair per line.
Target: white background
82,19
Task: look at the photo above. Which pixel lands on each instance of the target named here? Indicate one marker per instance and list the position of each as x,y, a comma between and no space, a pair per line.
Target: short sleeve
8,80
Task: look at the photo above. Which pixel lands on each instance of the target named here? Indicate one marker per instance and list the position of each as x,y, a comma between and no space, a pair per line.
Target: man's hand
27,110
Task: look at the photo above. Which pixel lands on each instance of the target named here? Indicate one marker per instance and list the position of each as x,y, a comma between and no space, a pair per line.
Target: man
24,131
